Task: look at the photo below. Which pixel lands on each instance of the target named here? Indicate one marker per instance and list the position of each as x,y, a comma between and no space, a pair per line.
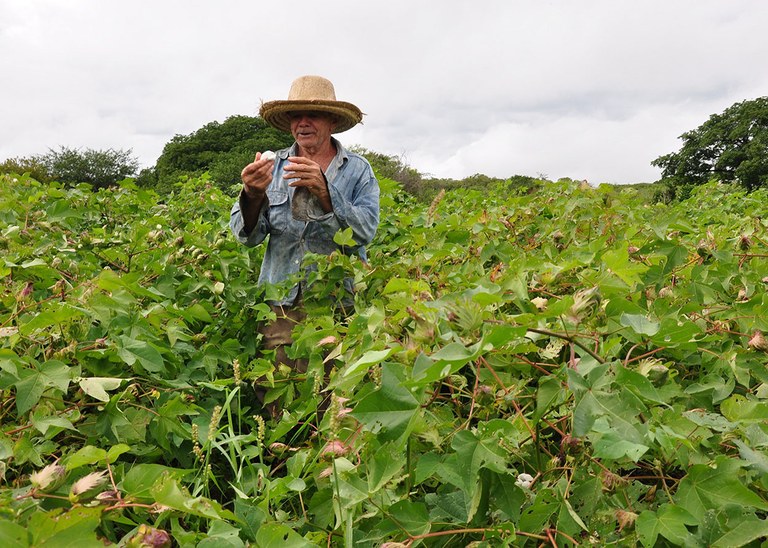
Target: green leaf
13,535
43,422
344,238
86,455
749,530
60,313
668,521
387,462
739,408
276,535
611,446
168,493
456,353
116,450
97,387
629,272
707,488
411,516
675,332
389,410
141,478
221,533
755,459
72,529
372,357
132,350
640,324
51,374
639,385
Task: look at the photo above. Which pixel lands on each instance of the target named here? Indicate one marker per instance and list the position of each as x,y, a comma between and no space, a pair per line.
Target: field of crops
565,367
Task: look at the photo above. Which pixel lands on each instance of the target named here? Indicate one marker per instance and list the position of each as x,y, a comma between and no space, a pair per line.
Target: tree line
730,147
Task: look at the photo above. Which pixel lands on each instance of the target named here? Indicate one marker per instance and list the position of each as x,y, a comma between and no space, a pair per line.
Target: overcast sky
591,89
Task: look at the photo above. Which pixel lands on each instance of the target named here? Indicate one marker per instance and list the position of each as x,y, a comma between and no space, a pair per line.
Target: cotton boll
524,480
267,155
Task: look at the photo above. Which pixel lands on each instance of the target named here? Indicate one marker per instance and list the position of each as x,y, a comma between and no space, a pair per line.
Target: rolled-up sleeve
237,224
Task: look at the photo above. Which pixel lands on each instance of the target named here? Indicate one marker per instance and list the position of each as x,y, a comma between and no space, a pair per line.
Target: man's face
311,128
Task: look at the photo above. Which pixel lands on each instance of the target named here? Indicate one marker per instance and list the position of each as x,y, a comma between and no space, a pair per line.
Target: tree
222,149
100,168
729,147
24,165
392,167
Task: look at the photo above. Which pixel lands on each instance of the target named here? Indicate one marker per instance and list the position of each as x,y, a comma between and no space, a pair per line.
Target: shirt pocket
279,211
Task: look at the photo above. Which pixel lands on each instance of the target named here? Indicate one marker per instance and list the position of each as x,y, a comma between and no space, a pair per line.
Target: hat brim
277,113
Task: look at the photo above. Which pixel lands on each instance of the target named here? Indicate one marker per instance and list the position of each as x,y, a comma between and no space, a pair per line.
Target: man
303,196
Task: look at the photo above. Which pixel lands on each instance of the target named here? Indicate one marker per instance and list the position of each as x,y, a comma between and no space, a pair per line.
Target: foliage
393,167
427,188
729,147
100,168
28,165
221,149
562,367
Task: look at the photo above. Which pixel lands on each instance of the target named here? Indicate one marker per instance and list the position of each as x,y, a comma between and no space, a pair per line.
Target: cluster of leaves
71,166
731,147
426,188
559,368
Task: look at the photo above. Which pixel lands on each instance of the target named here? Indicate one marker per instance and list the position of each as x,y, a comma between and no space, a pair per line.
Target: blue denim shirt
354,194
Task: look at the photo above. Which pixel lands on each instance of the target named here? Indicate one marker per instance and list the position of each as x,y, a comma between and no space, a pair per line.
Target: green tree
100,168
729,147
393,167
222,149
29,165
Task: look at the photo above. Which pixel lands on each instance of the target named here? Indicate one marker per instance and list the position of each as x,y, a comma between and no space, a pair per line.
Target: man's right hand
257,176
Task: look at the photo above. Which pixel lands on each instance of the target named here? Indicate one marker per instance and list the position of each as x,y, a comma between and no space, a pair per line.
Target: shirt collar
341,153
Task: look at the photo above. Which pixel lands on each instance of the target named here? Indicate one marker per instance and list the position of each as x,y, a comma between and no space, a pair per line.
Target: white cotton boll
524,481
267,155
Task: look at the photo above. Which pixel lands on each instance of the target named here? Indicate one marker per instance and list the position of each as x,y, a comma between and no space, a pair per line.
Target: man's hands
303,172
257,176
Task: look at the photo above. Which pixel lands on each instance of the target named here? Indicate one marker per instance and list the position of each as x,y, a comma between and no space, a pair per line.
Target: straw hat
311,93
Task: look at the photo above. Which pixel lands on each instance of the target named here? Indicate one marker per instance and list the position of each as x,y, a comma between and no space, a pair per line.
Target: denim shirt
354,194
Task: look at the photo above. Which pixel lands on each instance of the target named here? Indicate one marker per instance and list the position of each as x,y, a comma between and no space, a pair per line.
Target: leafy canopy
729,147
221,149
568,366
71,166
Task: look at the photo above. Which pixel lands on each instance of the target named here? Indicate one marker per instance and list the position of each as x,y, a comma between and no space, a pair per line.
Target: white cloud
594,89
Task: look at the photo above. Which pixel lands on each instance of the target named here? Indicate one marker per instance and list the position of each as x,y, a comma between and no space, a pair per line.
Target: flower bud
585,303
48,478
758,342
87,487
149,537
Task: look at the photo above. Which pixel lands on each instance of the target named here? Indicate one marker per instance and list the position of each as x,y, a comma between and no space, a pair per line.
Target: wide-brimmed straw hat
311,93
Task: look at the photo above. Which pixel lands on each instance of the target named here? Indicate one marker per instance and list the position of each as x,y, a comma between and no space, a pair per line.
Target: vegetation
31,166
729,147
568,366
426,188
220,149
99,168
